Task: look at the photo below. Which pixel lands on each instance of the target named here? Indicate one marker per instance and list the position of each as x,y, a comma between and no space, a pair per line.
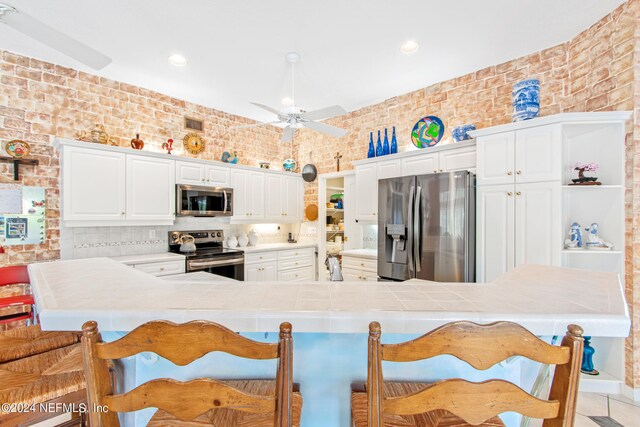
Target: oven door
204,201
231,267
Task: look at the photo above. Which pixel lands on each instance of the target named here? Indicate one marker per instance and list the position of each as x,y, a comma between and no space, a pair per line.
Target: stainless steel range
209,255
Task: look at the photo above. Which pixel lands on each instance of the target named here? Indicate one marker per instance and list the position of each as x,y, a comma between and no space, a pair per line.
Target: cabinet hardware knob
509,173
122,213
509,193
440,170
518,172
161,268
296,275
518,193
435,170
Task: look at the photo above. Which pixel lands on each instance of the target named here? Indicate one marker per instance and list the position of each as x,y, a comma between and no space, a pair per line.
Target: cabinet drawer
297,274
356,263
355,275
260,257
288,264
295,253
164,268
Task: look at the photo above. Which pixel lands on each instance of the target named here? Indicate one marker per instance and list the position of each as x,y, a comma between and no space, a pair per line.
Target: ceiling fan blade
287,134
53,38
265,107
325,128
325,113
255,124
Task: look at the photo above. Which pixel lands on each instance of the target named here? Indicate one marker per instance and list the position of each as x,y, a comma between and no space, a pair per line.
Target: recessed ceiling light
178,60
410,46
287,102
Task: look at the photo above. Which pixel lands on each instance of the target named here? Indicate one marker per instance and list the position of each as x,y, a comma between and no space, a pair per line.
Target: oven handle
228,261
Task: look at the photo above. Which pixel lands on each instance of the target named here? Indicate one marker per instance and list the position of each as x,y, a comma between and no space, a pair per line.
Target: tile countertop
542,299
361,253
143,259
275,247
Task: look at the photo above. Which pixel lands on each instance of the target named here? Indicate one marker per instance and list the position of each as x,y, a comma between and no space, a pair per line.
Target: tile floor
623,410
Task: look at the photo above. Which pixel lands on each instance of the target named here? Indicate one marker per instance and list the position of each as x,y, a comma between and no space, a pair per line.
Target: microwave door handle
224,211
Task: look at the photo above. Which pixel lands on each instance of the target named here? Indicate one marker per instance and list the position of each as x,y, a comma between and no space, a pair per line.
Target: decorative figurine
137,143
596,242
265,165
587,358
575,237
168,145
97,135
228,158
585,180
460,133
525,97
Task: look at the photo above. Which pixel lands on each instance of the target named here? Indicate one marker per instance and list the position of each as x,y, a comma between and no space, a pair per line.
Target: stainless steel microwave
194,200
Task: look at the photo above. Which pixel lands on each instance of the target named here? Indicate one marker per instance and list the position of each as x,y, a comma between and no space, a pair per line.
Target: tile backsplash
89,242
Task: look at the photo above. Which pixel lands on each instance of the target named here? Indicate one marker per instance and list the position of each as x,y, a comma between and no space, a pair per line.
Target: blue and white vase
460,133
525,97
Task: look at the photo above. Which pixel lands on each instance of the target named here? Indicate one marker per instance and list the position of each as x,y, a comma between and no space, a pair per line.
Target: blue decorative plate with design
427,132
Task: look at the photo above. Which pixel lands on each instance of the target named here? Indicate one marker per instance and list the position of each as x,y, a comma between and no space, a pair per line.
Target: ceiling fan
51,37
295,117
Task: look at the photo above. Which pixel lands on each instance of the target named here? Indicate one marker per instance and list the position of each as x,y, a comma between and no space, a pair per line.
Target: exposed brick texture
597,70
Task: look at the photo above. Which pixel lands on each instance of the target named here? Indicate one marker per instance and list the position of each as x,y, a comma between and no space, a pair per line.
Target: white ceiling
350,48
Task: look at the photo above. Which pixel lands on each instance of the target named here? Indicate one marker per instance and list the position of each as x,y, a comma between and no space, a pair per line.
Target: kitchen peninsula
329,319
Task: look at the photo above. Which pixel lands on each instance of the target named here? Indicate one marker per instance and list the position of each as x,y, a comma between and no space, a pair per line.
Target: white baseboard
631,393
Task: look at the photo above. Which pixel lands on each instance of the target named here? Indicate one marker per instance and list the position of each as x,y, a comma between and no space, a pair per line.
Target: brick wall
592,72
40,101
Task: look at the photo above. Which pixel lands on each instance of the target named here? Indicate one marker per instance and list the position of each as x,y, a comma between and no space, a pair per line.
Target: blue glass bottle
394,141
379,146
371,153
385,146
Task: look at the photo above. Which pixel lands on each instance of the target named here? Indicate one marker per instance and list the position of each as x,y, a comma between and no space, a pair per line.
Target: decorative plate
17,148
193,143
427,132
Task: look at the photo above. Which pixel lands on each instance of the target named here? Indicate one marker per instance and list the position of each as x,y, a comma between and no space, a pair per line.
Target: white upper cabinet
293,198
93,185
198,174
538,154
274,208
389,169
248,194
496,159
151,190
367,192
457,160
420,165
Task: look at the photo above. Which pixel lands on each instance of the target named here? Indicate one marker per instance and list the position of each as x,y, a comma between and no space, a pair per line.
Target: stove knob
219,234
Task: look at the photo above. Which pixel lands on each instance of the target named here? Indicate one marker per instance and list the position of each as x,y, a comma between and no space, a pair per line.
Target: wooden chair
18,304
201,401
456,402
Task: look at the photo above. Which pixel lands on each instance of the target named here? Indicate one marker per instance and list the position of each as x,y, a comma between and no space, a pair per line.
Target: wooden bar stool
199,402
457,402
19,303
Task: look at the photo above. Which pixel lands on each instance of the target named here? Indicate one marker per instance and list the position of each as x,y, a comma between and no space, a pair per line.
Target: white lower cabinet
163,268
517,224
283,265
359,269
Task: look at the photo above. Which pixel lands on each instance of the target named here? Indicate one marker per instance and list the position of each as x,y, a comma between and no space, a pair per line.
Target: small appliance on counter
207,255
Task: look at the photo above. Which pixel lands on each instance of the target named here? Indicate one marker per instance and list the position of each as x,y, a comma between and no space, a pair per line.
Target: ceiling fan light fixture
178,60
286,101
409,47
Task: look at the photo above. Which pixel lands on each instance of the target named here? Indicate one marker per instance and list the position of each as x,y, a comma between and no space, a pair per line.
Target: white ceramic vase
243,240
232,242
253,238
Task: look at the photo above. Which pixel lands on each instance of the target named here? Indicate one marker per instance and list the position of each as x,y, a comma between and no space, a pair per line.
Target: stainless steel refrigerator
426,227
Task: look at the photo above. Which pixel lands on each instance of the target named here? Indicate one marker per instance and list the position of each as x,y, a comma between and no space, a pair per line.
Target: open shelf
331,188
334,210
590,252
593,187
335,231
603,383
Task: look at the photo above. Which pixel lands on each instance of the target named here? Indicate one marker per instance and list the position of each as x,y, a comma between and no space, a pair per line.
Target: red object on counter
15,275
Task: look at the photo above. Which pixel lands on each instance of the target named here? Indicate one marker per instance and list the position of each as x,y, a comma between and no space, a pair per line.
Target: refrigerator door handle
410,230
417,235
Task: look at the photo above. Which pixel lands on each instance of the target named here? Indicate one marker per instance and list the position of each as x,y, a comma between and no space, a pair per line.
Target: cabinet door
255,191
189,173
351,275
495,231
366,192
239,181
275,197
457,159
293,198
389,169
538,233
93,185
217,176
495,159
270,271
252,272
151,189
538,154
420,165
